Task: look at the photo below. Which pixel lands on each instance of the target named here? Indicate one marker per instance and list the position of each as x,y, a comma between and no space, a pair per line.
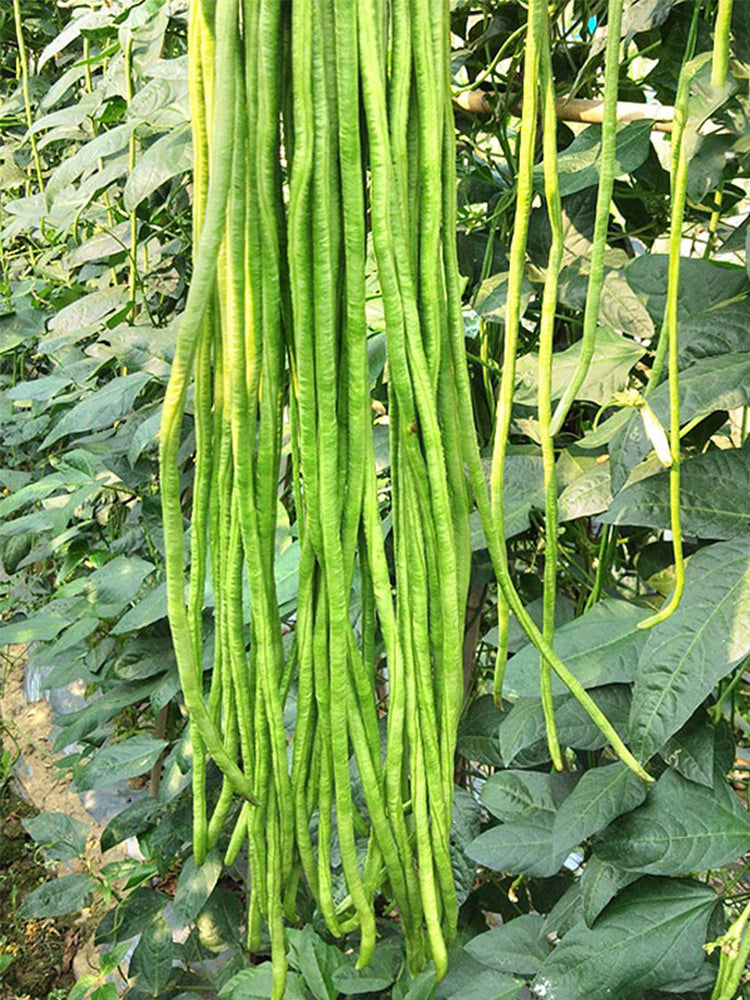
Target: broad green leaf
467,822
523,846
194,886
650,935
513,795
601,795
130,917
692,750
169,156
151,608
256,984
686,656
713,497
566,913
517,638
600,647
101,409
115,583
478,732
86,314
316,961
519,946
706,290
522,731
682,828
59,896
130,822
590,494
62,837
378,975
491,297
151,964
714,383
614,356
468,979
105,144
119,761
524,490
600,883
579,163
41,626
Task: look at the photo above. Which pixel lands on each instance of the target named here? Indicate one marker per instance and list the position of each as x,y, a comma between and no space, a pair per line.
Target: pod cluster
324,155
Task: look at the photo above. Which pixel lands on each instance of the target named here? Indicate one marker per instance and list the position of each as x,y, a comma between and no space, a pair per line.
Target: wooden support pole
577,109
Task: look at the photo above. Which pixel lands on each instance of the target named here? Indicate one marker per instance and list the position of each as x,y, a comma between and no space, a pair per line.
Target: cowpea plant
582,860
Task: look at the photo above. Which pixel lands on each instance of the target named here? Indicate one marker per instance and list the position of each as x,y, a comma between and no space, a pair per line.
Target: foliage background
599,892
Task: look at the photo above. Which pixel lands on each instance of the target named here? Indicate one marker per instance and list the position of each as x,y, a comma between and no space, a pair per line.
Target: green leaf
491,296
469,979
5,961
513,795
120,761
579,163
467,822
101,409
691,751
713,497
601,795
168,157
130,917
151,608
130,822
62,837
478,732
378,975
256,984
600,647
41,626
614,356
715,383
682,828
524,846
115,583
151,963
590,494
523,729
650,935
691,651
517,638
58,897
194,886
316,961
600,883
519,946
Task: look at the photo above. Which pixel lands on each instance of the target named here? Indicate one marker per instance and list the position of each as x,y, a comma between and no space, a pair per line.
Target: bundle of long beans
324,140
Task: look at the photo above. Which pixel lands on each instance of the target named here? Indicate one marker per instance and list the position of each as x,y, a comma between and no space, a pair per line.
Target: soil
48,955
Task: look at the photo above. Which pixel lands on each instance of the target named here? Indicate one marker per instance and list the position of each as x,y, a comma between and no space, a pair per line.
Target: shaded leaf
119,761
59,896
713,497
600,883
524,846
519,946
62,837
151,963
601,795
600,647
691,651
682,828
651,934
519,794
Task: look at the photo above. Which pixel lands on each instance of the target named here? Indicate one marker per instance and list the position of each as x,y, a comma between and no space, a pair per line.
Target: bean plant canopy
448,370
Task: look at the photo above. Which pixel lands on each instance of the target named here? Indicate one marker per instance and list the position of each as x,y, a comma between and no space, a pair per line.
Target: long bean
601,218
